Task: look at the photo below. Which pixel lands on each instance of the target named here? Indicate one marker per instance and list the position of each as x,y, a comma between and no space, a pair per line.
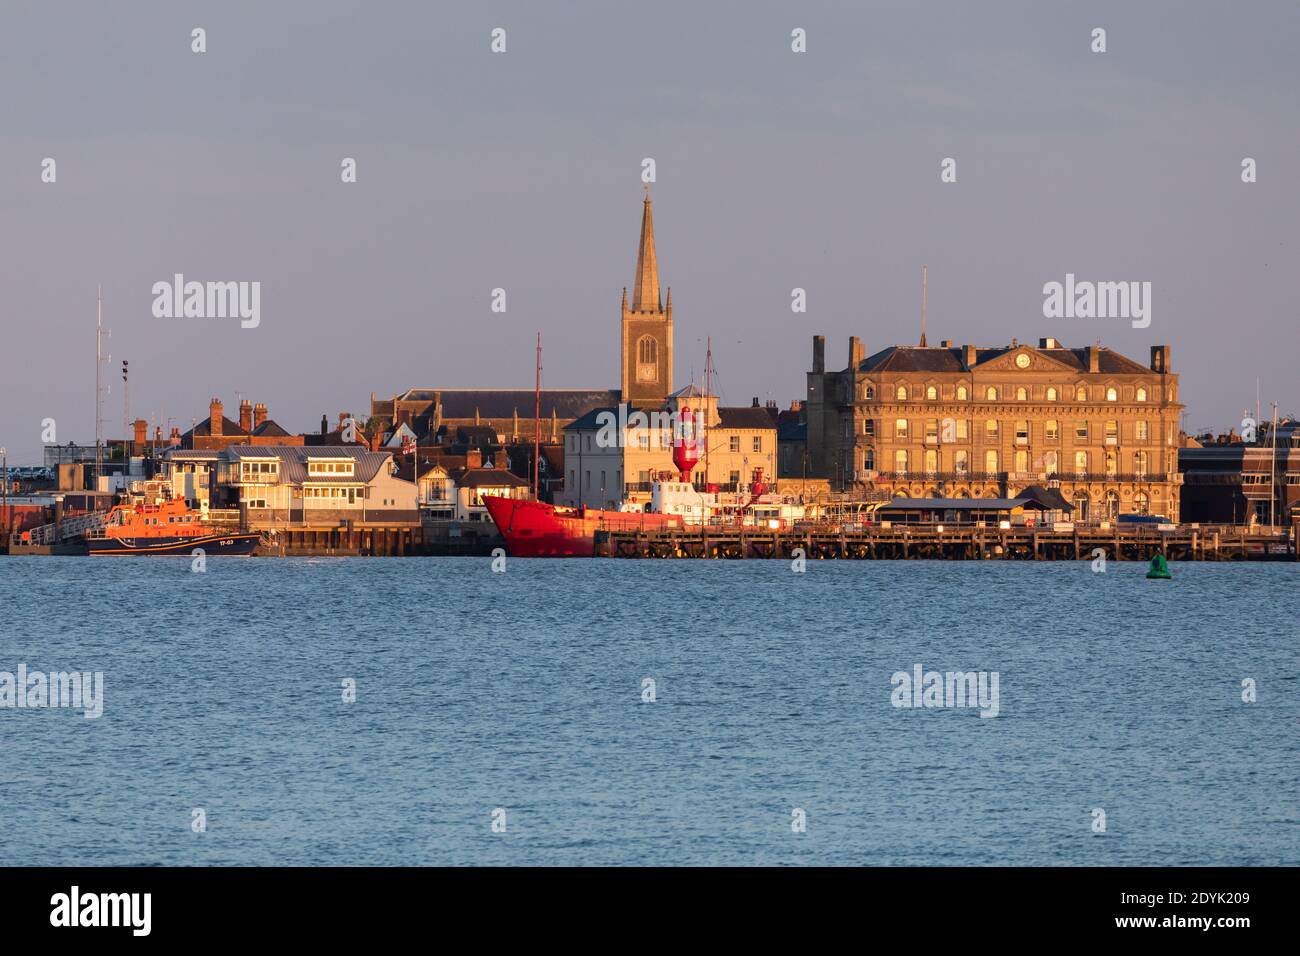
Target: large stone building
976,421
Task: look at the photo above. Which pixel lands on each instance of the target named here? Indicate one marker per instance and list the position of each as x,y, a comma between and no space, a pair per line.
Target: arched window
991,461
901,393
900,461
962,394
931,393
1022,394
1142,503
868,391
991,394
647,359
1141,394
1112,395
1051,394
1081,394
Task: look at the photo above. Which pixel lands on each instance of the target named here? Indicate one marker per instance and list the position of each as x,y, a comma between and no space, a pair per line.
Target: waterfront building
601,473
1231,482
986,422
283,485
451,487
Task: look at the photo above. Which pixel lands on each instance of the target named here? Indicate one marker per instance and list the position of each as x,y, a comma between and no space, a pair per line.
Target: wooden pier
957,543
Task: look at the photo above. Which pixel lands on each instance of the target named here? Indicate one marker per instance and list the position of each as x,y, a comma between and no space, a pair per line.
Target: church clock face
1022,360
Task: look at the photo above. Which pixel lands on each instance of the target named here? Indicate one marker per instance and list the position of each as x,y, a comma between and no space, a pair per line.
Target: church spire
645,294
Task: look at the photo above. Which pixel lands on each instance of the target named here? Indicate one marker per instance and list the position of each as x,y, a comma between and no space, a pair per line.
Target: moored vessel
168,528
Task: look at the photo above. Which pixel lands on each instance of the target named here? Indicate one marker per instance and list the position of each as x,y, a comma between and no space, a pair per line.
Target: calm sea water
523,690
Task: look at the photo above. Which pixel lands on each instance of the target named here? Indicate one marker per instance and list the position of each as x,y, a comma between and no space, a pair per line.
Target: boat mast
99,318
708,386
1272,472
537,416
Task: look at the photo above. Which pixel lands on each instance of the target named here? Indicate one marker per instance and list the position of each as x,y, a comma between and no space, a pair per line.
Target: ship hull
212,544
534,529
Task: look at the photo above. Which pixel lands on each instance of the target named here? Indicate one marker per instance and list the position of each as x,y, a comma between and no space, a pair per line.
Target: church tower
647,327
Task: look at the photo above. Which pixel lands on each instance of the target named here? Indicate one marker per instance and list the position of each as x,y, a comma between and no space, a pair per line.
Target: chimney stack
141,432
819,354
246,416
259,414
1160,358
755,405
214,418
324,425
857,352
175,436
474,458
1094,359
968,356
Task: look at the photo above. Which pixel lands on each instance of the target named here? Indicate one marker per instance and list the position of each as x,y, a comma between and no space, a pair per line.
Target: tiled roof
489,478
590,421
746,416
293,461
271,429
505,402
228,429
909,358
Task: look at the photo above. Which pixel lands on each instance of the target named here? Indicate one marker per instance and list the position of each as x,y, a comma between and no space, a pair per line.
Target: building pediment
1024,358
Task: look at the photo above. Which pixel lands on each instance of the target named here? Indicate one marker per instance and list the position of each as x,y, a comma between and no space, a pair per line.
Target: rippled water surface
523,691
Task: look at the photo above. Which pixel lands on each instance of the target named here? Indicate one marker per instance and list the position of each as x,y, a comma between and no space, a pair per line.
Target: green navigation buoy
1159,569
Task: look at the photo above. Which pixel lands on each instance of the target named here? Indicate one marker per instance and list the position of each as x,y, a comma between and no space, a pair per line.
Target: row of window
665,440
1106,506
931,460
1022,393
329,467
953,430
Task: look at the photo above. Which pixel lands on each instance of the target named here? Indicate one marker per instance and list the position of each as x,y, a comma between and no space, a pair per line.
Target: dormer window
331,466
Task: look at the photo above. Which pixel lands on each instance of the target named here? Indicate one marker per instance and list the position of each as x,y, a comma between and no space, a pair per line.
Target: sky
521,170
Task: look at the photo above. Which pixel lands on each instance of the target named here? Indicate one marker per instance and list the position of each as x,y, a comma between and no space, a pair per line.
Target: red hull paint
534,529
